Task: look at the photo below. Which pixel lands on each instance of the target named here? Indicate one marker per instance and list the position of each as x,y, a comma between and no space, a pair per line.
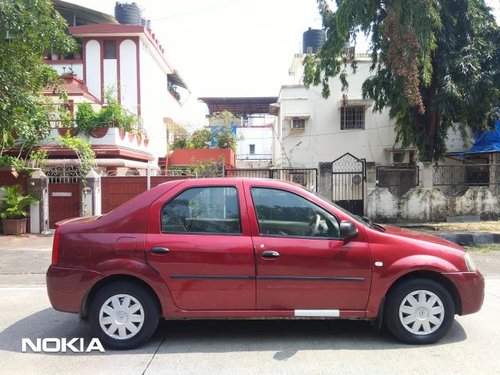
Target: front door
64,202
301,261
203,250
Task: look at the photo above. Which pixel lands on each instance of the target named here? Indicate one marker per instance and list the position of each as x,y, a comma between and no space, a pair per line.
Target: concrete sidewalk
24,259
26,242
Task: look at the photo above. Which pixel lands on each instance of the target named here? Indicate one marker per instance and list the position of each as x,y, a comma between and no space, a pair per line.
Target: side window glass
281,213
203,210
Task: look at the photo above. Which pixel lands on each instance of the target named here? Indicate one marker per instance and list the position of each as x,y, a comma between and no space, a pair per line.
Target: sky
230,47
227,47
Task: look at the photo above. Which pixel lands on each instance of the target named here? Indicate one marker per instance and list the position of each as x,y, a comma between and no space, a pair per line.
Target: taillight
55,245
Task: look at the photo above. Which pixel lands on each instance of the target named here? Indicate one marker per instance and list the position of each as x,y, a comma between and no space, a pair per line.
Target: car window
203,210
281,213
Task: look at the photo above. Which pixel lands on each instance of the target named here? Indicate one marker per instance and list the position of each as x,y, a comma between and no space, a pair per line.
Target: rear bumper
67,287
470,286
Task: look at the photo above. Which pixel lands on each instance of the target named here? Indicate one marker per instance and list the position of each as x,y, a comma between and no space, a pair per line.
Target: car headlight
469,263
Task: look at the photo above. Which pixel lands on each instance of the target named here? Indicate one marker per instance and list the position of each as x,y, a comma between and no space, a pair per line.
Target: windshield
363,220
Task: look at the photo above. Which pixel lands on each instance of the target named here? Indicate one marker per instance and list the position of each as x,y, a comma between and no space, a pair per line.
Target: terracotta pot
146,142
14,226
99,132
72,131
139,140
131,137
122,133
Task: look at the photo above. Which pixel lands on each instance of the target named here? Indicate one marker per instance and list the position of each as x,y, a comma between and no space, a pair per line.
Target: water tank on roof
128,14
312,40
146,23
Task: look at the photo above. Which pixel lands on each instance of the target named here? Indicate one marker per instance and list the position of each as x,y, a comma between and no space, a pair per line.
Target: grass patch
481,226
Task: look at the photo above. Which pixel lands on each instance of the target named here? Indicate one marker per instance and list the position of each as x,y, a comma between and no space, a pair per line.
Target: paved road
250,347
229,347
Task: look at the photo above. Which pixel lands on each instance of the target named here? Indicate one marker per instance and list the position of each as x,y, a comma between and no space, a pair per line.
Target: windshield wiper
371,224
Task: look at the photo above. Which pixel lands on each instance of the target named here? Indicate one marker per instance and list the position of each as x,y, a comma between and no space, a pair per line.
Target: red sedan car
249,248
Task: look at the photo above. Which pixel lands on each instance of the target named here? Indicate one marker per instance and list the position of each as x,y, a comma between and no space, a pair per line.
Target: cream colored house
312,129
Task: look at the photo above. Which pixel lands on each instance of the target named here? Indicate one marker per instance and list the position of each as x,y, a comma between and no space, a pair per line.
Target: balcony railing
102,136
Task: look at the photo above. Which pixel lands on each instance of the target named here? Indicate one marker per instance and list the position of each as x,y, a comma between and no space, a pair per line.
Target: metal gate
348,183
64,193
307,177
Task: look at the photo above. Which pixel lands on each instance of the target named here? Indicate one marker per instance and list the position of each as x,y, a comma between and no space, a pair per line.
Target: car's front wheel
123,315
419,311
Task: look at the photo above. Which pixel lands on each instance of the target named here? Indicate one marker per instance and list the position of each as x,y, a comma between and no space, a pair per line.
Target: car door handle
160,250
270,254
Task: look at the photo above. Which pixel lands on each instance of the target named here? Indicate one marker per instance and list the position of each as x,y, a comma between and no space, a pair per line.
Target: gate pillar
92,193
427,175
325,183
38,187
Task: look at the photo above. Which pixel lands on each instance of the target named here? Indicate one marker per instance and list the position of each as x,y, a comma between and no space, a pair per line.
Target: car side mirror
348,230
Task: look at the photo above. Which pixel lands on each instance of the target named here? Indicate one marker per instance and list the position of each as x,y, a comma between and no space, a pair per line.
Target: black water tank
313,39
128,14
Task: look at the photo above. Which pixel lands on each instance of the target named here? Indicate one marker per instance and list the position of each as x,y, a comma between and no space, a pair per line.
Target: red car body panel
226,276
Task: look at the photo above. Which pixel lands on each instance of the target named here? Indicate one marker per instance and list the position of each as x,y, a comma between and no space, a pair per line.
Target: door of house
64,194
348,183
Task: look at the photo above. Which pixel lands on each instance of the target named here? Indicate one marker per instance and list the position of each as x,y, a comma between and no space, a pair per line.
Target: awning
354,103
176,79
298,115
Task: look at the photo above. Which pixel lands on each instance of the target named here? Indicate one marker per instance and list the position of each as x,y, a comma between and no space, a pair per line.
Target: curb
469,238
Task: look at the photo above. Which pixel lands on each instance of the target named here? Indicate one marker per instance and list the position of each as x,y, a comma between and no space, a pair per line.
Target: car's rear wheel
123,315
419,311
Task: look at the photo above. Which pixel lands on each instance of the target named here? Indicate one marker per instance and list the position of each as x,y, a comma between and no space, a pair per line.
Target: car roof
233,180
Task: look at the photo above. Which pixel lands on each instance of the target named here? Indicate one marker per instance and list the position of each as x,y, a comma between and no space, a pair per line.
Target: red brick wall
192,156
118,190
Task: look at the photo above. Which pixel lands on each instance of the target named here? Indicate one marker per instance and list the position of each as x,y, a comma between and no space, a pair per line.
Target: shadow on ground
285,337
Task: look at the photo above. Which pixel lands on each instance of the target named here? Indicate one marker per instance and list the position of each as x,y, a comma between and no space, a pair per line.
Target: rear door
301,262
202,247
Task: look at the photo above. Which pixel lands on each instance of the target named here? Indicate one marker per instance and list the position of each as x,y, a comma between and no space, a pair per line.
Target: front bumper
470,286
67,287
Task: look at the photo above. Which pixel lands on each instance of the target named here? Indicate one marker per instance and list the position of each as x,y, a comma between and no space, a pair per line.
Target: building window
298,123
352,117
252,149
110,49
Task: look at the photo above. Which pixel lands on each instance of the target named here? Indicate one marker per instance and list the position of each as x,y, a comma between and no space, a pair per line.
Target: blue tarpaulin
488,141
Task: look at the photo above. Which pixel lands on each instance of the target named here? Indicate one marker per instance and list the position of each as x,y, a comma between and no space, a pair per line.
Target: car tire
123,315
419,311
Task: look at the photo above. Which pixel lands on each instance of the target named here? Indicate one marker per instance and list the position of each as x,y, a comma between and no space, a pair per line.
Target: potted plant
14,207
111,115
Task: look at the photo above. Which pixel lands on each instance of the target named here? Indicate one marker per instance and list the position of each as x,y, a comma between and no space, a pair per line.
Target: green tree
224,118
180,135
224,136
200,138
83,151
435,64
28,30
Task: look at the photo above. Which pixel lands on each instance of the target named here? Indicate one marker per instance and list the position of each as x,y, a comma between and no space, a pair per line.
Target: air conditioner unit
398,157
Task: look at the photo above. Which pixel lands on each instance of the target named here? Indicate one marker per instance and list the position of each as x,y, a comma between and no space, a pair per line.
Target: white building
255,142
129,60
254,130
312,129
